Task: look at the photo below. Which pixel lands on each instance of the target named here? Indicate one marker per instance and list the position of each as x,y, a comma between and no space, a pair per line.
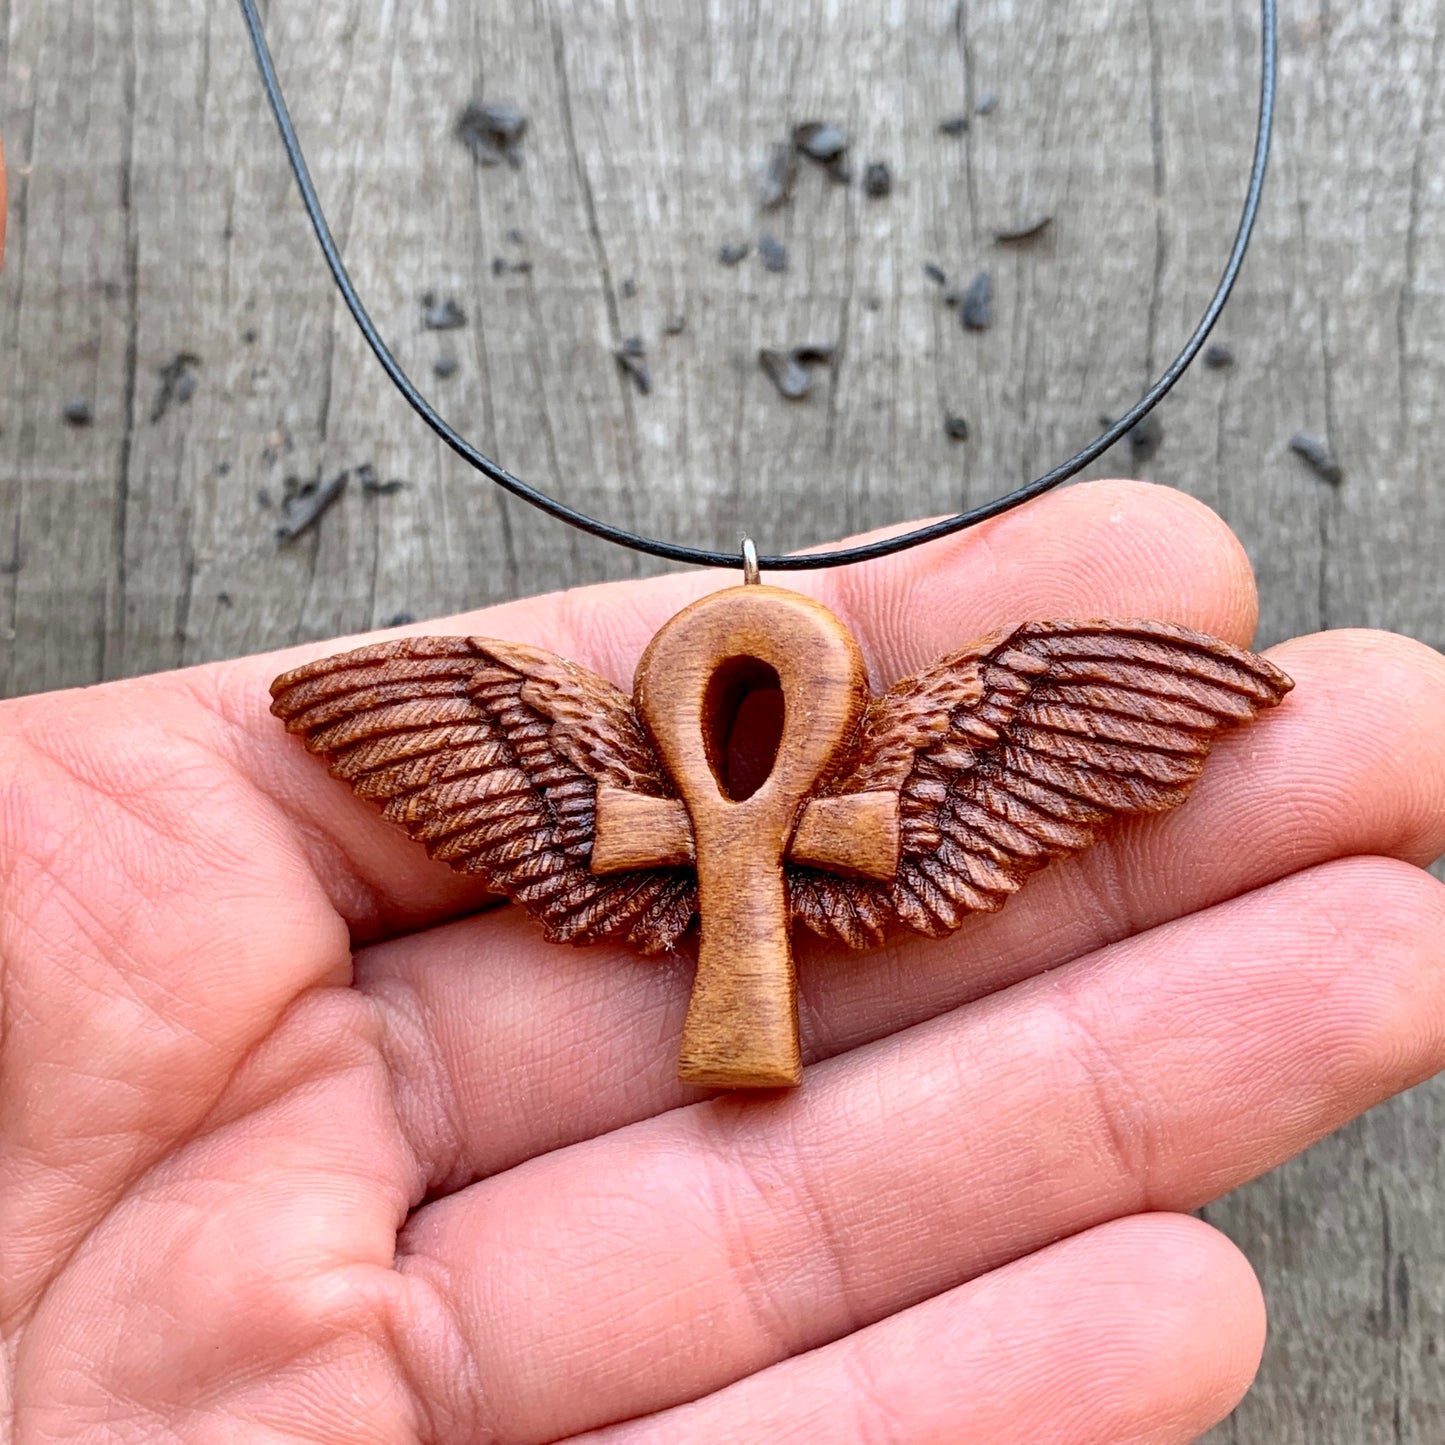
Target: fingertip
1097,549
1215,1321
1167,1324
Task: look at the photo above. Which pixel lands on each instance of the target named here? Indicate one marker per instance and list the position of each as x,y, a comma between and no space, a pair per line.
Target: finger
1148,1330
505,1046
1111,548
1154,1075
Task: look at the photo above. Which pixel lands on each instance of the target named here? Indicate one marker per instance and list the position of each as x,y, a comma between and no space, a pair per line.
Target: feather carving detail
1052,730
490,754
1021,748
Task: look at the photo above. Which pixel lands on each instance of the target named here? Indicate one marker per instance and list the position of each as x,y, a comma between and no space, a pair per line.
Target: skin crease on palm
300,1142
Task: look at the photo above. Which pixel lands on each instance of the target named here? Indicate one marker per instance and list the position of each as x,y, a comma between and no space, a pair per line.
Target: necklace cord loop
838,556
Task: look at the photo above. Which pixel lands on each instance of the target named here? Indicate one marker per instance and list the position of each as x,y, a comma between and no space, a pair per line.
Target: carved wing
1023,748
490,754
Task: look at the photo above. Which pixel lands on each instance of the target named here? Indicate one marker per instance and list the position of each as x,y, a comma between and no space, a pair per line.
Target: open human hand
298,1145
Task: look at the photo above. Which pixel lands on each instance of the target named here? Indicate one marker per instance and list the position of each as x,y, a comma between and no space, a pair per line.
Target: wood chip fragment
786,372
179,381
976,308
630,356
788,369
492,131
306,502
441,315
820,140
772,253
1027,231
1146,438
1316,451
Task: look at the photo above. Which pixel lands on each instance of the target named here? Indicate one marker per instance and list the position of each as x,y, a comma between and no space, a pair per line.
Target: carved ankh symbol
742,1023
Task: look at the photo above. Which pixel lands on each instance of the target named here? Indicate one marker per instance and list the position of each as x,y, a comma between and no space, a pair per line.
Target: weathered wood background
152,216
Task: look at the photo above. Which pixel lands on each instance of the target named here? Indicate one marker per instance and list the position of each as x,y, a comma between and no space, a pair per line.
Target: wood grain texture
150,214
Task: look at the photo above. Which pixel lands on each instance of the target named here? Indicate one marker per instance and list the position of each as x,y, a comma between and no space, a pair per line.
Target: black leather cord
838,556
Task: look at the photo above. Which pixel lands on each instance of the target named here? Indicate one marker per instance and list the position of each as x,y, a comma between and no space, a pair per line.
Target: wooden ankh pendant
742,1023
614,819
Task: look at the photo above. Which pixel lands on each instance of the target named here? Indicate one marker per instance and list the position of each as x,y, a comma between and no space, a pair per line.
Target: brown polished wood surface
936,800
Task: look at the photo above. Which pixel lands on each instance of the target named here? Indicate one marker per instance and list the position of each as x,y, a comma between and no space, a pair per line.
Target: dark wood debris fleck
772,253
779,176
878,180
1218,356
400,619
788,369
249,335
1025,232
826,143
956,427
976,308
789,375
77,411
629,288
953,125
492,131
631,357
820,140
179,380
443,367
1316,451
1146,438
441,315
373,485
675,324
935,273
305,502
733,252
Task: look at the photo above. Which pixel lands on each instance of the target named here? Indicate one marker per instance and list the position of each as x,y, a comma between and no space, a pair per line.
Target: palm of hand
464,1199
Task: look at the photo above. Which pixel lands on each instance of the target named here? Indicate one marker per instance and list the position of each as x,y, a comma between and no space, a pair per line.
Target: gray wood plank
152,216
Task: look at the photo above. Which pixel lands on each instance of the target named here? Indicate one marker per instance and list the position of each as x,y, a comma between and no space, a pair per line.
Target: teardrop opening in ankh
744,713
